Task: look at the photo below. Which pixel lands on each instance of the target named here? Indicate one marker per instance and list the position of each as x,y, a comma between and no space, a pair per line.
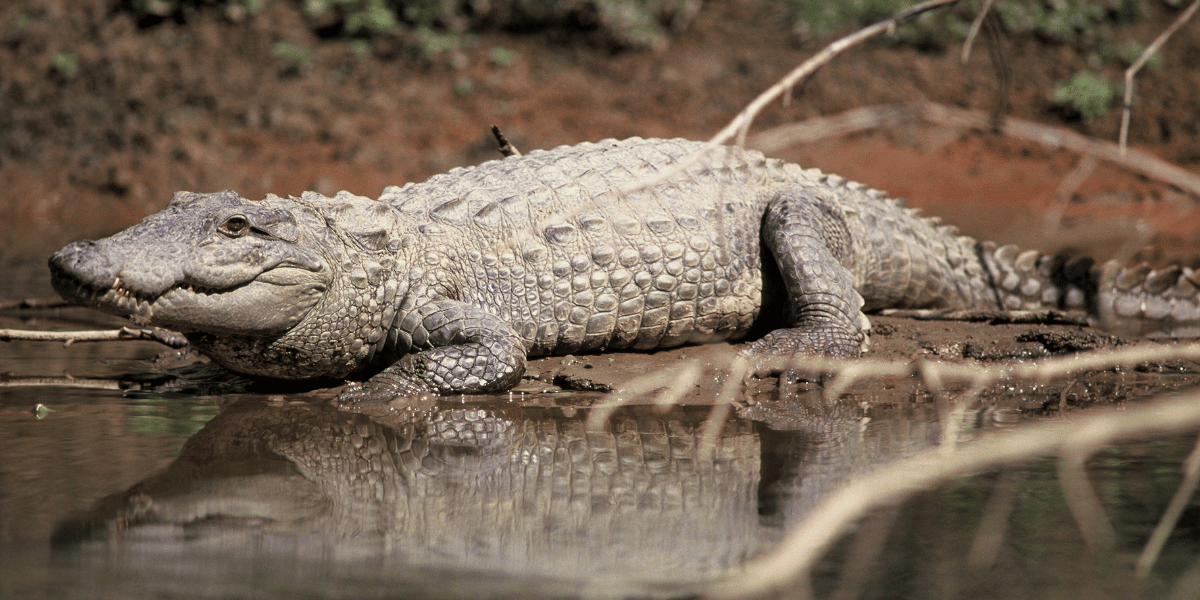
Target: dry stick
738,370
684,379
163,336
1158,539
796,554
894,114
989,537
34,303
868,543
1052,217
1078,492
1047,316
953,420
974,31
506,148
847,371
67,381
742,121
676,382
1137,66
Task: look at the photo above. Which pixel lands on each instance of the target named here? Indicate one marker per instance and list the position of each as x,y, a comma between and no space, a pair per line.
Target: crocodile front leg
809,239
467,350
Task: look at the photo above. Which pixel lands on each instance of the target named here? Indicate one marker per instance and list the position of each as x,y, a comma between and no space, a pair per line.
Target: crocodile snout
80,264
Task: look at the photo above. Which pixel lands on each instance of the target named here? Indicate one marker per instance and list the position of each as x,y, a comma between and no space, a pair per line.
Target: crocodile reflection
499,488
518,489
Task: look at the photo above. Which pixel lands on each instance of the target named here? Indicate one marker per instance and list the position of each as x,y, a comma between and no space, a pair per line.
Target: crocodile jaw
268,302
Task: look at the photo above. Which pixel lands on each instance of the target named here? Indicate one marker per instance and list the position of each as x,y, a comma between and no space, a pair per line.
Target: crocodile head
214,263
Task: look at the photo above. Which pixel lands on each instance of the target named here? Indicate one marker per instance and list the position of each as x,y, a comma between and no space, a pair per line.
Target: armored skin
448,286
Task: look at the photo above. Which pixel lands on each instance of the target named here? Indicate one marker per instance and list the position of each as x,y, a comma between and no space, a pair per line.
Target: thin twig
1078,492
994,317
65,381
869,542
1052,218
974,31
676,382
1127,103
989,537
506,147
155,334
1166,525
28,303
739,368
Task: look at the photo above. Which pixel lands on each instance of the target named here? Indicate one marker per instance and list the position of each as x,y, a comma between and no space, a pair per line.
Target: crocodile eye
235,226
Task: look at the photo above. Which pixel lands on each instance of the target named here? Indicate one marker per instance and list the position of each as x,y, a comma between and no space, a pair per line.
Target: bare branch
741,123
994,317
27,303
974,31
155,334
869,542
676,382
974,372
1158,539
738,370
65,381
1141,61
793,558
1052,219
890,115
1077,489
989,537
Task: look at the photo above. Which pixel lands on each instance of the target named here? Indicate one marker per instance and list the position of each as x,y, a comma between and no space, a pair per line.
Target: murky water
127,483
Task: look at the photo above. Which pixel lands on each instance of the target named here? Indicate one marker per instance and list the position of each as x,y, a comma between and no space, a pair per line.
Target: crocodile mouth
128,298
270,303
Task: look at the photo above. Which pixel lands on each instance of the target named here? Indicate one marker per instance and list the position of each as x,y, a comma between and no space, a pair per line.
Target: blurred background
107,107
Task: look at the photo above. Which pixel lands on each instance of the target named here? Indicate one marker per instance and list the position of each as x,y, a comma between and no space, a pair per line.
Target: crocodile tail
1145,302
1135,301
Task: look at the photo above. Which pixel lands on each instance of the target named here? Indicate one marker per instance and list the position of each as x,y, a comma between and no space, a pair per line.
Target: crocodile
449,285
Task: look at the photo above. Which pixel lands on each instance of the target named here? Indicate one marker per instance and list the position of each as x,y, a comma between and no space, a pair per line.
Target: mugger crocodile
447,286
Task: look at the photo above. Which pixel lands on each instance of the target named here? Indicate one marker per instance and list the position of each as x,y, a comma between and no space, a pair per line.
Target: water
125,482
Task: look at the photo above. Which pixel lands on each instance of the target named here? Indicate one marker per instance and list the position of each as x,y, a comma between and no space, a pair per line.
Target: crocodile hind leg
809,239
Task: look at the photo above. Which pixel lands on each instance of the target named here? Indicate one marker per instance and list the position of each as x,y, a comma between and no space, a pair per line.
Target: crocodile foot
383,388
784,351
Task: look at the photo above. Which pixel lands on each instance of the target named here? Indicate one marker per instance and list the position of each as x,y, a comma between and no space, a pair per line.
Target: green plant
360,48
1131,50
158,8
1064,20
359,16
1088,93
502,57
433,44
820,16
65,64
294,53
464,86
